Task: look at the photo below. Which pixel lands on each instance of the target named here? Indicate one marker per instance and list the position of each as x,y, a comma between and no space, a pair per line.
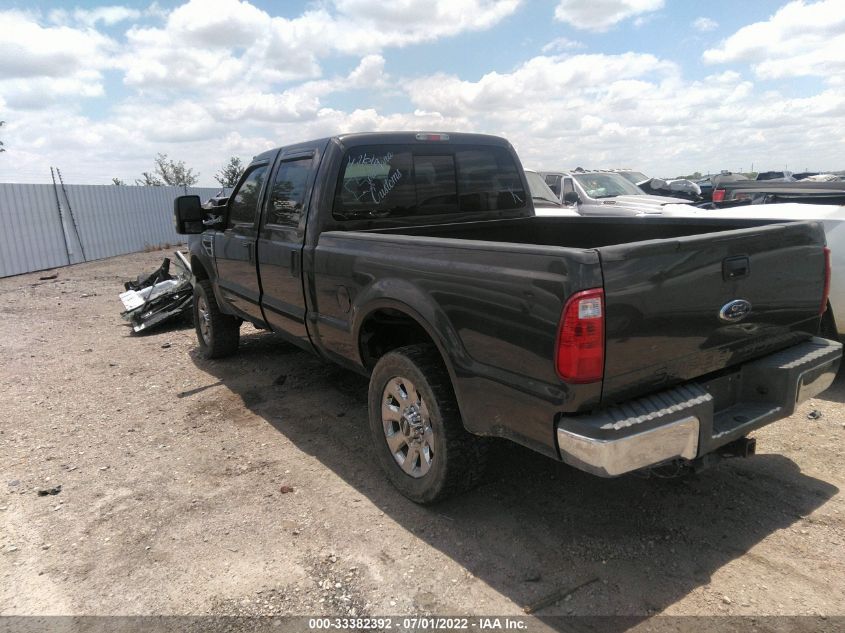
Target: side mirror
188,215
571,197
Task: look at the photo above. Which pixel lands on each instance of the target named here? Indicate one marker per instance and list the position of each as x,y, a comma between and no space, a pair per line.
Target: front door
280,248
234,247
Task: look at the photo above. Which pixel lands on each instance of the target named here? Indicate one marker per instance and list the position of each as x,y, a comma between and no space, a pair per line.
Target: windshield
633,176
539,188
607,185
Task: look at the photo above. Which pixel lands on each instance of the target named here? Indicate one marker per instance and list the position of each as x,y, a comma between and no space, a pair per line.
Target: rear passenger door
280,246
234,247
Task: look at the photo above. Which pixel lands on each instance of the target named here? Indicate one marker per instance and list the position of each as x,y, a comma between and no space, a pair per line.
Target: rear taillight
579,355
826,292
718,195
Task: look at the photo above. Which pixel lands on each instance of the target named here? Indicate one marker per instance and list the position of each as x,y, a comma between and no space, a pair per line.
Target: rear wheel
218,334
416,427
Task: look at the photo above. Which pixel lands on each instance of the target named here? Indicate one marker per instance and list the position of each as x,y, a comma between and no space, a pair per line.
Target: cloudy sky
664,86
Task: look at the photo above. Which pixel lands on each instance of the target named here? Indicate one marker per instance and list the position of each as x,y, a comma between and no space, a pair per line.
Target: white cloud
40,92
612,110
379,25
208,42
600,15
561,44
705,24
28,49
109,15
800,39
301,102
40,65
541,79
369,73
212,79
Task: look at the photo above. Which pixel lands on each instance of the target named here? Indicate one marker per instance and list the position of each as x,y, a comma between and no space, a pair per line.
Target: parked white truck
593,192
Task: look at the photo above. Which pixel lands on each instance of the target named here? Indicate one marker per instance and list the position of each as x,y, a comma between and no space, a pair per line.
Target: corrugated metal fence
42,226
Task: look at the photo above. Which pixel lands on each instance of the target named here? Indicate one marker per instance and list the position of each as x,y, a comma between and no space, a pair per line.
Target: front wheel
218,334
416,427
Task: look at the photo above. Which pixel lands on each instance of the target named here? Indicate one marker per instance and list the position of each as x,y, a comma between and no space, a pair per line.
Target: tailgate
670,311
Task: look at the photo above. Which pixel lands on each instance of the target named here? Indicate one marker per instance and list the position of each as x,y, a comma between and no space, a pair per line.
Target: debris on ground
555,596
285,489
815,414
49,276
44,492
161,296
532,576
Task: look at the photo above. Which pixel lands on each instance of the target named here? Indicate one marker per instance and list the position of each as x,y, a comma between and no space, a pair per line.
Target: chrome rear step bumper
683,423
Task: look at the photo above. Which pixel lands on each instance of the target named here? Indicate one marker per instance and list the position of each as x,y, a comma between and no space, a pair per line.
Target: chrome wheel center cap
411,423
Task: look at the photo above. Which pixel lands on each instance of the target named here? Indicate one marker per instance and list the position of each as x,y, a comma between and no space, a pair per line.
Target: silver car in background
601,193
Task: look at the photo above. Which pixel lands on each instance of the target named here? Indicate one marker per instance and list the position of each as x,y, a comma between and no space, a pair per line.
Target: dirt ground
172,467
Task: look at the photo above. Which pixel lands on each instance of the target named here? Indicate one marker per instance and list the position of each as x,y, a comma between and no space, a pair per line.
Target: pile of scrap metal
159,297
218,200
676,188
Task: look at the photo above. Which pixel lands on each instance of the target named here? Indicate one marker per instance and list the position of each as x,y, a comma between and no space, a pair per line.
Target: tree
118,181
168,172
148,180
2,149
231,173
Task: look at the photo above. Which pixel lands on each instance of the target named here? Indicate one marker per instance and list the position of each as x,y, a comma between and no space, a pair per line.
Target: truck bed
496,291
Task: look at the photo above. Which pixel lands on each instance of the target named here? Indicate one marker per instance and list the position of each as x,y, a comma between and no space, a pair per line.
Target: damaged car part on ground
159,297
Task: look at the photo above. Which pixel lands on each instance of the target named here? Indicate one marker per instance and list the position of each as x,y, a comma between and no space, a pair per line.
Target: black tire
218,334
458,458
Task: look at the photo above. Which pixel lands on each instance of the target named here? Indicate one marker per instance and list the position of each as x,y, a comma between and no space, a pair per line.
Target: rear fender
405,297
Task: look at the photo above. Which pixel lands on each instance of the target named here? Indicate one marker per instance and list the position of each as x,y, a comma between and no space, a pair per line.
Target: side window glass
288,193
244,202
554,184
375,182
568,186
436,184
488,180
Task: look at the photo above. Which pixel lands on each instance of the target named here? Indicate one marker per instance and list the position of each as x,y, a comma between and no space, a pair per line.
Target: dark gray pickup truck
613,344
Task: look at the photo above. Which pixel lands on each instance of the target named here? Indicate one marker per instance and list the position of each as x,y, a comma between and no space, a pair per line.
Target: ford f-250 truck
612,344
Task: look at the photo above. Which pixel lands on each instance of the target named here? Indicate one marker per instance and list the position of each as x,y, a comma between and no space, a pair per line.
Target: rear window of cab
394,181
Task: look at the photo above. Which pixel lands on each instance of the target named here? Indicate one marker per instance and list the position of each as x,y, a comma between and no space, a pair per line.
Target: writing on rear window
369,177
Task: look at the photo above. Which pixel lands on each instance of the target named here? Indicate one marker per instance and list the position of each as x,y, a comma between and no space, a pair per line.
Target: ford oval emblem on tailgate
735,310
